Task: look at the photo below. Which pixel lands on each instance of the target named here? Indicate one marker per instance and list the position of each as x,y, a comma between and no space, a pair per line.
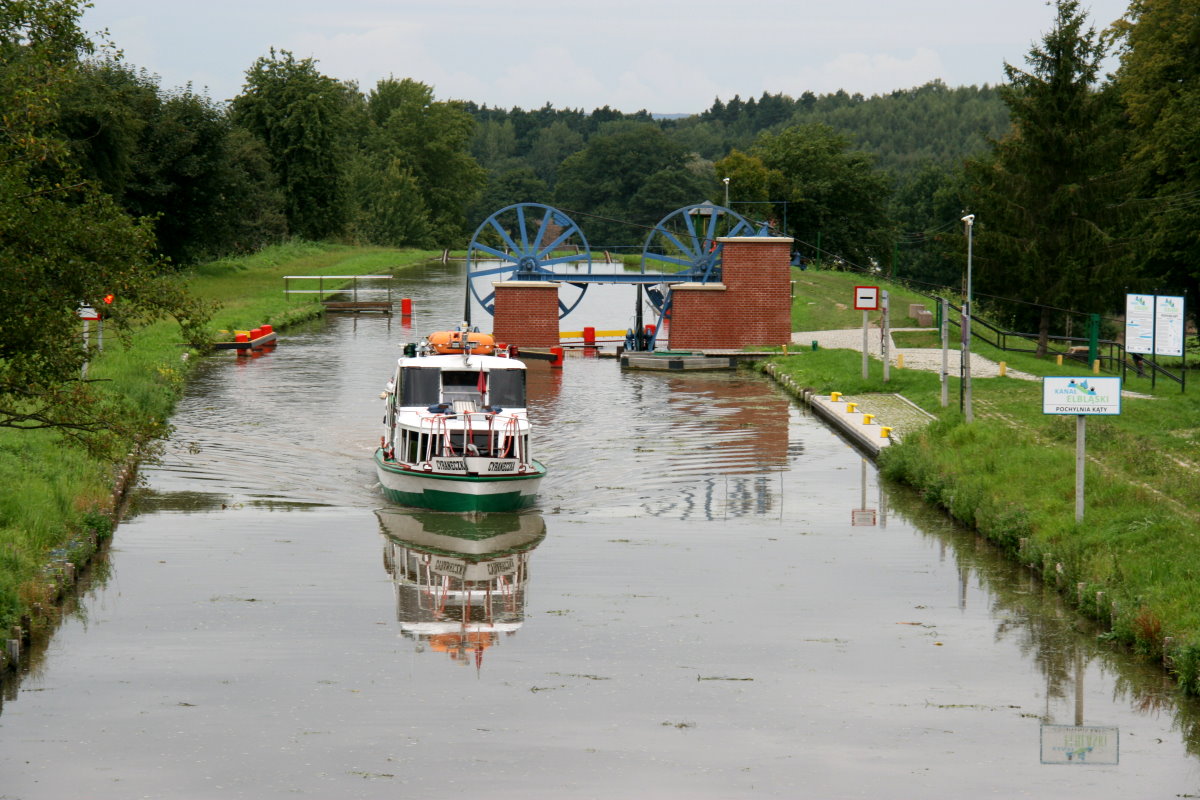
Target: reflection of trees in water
1060,642
70,606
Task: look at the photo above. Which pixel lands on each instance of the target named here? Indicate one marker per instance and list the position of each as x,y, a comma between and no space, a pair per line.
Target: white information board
1076,395
1139,323
1154,324
1168,326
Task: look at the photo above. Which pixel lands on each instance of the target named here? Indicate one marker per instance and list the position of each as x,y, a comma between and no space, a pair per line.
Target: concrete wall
751,306
526,313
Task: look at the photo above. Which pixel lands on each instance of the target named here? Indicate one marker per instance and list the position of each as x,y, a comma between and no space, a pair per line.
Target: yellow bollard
1096,366
867,418
899,360
785,349
835,396
885,432
1003,369
850,407
1058,360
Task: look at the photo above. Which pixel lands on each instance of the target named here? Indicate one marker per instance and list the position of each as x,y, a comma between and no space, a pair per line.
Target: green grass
823,300
58,500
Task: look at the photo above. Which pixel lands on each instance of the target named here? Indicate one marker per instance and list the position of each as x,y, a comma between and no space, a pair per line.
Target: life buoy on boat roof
478,344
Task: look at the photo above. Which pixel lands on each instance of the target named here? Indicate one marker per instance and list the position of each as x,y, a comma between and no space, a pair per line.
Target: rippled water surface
689,612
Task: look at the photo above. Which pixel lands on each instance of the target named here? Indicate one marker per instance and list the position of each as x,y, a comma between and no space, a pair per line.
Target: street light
726,182
969,219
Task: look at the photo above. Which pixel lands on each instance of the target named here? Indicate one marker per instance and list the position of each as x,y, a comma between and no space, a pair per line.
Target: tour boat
455,427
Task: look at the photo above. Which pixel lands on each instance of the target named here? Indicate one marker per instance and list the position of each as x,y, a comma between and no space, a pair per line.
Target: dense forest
1083,185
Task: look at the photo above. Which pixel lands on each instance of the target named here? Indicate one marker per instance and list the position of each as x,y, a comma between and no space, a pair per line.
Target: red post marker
589,335
558,357
406,307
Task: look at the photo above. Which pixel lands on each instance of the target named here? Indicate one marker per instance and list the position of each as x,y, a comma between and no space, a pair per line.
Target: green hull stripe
454,501
420,489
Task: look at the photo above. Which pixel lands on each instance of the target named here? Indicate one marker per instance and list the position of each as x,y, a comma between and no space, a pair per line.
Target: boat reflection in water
460,581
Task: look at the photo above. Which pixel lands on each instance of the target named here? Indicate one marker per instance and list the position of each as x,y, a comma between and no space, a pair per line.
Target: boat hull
460,493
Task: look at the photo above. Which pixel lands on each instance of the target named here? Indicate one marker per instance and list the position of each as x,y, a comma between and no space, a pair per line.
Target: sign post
88,315
866,299
1082,397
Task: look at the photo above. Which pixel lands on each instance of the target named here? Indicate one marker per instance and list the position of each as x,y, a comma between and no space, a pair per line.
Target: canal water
715,598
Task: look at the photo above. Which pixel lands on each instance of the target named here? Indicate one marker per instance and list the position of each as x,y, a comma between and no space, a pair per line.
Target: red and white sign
866,298
88,314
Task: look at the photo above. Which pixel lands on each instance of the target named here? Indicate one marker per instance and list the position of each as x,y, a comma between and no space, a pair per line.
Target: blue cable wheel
528,241
685,243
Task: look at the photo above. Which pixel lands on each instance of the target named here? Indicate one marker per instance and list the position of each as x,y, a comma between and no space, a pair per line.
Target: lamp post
726,182
969,219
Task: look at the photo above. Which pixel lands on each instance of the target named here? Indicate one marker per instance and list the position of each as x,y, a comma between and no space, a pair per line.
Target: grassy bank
1133,563
58,502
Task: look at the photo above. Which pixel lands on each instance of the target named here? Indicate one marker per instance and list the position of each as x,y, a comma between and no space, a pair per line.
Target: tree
927,208
431,140
62,242
301,116
604,177
1159,83
1046,230
830,190
175,157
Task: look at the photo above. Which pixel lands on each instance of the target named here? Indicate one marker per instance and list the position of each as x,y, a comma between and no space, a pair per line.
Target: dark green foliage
1048,194
603,178
830,189
926,209
302,117
62,241
1159,83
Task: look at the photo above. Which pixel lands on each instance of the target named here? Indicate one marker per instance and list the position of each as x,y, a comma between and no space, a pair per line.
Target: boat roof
456,362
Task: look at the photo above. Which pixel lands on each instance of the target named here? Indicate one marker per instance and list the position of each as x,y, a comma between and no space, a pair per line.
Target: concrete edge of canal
871,421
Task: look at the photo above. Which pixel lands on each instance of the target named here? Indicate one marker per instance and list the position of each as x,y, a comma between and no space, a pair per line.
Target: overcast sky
666,56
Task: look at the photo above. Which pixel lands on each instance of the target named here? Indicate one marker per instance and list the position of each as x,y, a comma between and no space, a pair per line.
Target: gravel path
923,358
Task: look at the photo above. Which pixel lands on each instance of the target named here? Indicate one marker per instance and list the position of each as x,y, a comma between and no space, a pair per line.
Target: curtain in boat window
419,386
506,388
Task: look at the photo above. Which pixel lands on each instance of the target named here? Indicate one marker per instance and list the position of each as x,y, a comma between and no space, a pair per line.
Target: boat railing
502,431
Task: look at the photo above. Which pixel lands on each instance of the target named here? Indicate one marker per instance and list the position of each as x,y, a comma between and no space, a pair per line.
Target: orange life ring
478,344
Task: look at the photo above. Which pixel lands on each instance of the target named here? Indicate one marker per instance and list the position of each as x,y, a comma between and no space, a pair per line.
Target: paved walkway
924,358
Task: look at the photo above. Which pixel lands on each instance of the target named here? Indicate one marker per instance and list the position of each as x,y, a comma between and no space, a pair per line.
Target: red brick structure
751,306
526,313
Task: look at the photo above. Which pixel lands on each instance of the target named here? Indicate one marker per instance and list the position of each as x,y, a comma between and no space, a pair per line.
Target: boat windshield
419,386
506,388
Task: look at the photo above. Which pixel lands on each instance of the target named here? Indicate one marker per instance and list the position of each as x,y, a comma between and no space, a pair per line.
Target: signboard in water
862,516
1080,744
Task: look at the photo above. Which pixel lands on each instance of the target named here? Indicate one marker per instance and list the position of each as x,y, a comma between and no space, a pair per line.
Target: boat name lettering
501,466
499,567
450,567
446,464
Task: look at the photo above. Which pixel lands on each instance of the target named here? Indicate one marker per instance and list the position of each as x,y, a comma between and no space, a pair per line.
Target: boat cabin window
459,386
507,388
418,386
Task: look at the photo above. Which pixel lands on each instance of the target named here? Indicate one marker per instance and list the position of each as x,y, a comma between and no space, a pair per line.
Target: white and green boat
456,429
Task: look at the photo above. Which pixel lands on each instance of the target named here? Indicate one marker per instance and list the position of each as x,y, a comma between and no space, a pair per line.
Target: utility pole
969,219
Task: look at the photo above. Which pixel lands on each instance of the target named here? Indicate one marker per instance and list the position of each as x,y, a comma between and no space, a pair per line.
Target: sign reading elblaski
1075,395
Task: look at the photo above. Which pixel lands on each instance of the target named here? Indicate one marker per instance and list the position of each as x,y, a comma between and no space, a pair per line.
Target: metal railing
321,289
1111,354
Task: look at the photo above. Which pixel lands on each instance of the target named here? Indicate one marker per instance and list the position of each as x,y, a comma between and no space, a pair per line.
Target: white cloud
868,73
